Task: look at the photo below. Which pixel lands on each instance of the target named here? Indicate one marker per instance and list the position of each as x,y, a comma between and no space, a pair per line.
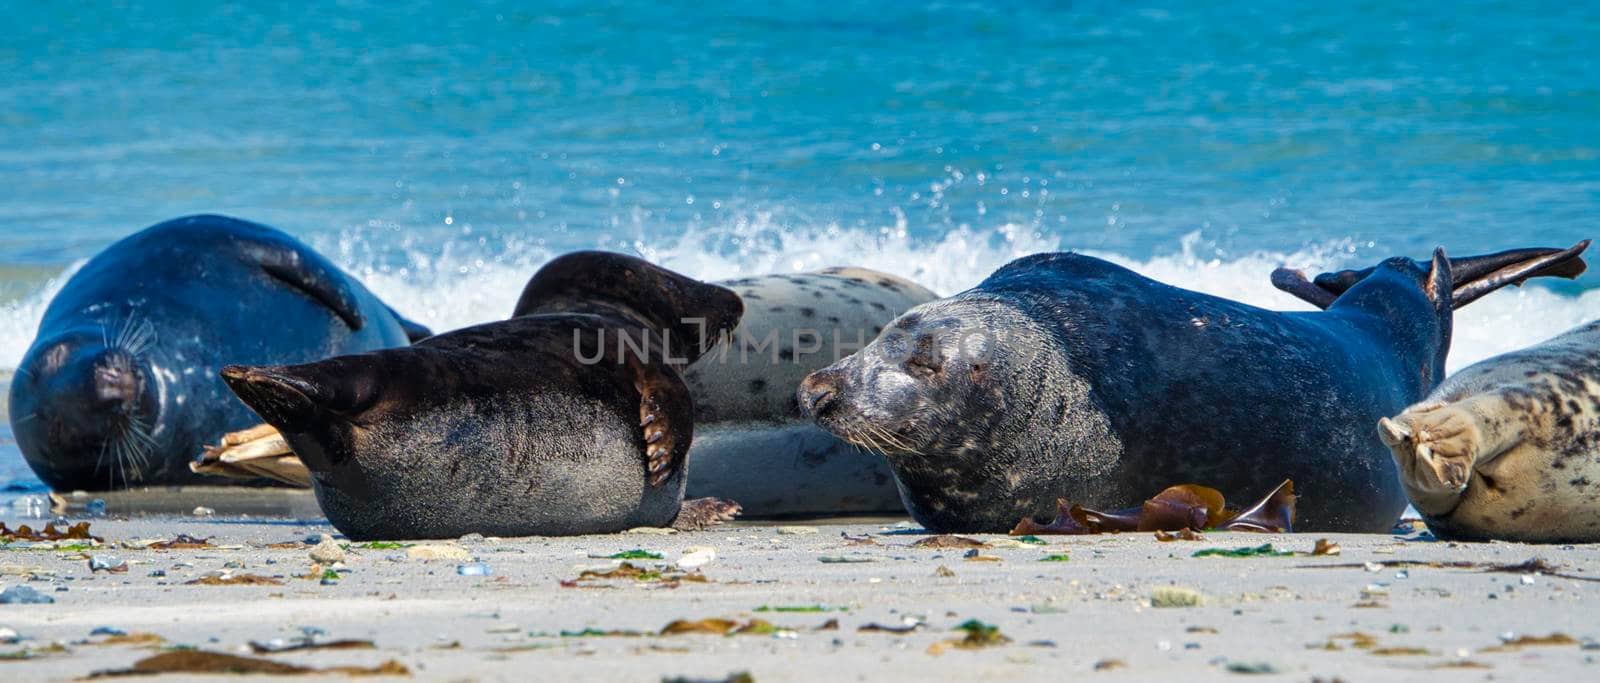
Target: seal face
119,388
1509,448
549,423
751,443
1064,376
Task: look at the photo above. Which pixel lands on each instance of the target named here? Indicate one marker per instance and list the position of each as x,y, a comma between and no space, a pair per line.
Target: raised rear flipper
1472,276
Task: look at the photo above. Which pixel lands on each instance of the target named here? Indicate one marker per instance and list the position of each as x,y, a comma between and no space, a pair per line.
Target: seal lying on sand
120,386
552,423
751,444
1509,448
1064,376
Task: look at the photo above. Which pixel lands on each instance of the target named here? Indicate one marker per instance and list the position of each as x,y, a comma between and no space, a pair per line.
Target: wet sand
1288,617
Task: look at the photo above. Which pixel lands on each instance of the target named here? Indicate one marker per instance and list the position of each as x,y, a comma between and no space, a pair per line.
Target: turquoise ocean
442,151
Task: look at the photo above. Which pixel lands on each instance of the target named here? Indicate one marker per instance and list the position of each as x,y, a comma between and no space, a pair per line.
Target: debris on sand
735,677
1176,596
907,625
1184,534
1187,506
24,595
979,635
225,579
76,532
277,646
181,542
438,551
800,608
628,571
326,551
949,541
107,563
635,554
718,627
1518,642
1263,550
205,662
1325,547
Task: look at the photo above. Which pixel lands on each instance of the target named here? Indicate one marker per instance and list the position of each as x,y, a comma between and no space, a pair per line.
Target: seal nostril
821,402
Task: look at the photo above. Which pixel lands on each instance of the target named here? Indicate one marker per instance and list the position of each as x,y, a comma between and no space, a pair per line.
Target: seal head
119,387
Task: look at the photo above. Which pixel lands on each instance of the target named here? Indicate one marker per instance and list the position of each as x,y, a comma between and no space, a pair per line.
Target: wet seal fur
751,442
569,419
120,386
1064,376
1509,448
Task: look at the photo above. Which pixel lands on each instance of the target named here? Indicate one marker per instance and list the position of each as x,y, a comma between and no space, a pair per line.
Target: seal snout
116,383
818,395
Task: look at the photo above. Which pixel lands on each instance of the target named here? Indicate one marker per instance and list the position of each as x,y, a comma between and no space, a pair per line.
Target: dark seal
571,418
1064,376
120,386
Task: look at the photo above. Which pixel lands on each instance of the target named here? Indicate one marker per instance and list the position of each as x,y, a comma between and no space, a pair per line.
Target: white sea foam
453,286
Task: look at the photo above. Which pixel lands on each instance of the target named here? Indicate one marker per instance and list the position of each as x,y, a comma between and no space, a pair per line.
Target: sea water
443,151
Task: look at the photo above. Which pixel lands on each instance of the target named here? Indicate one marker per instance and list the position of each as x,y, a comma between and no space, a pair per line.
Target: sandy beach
868,600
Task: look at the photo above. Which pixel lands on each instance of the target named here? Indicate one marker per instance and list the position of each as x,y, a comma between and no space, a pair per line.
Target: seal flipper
666,415
694,314
1567,263
700,513
309,272
1474,276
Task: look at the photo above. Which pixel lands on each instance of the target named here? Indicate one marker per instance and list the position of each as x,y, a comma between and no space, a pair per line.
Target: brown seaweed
1186,506
204,662
76,532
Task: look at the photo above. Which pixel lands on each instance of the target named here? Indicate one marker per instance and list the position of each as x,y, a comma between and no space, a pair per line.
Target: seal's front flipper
299,267
415,332
666,418
1434,451
700,513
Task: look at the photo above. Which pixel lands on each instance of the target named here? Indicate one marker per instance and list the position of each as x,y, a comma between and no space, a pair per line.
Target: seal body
751,442
120,386
550,423
1064,376
1509,448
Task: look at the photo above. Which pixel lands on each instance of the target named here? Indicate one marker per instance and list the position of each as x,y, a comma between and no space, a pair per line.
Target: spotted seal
569,419
1065,376
1509,448
120,386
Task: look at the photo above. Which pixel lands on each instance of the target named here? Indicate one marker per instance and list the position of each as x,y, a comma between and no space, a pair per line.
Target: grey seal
120,386
1065,376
